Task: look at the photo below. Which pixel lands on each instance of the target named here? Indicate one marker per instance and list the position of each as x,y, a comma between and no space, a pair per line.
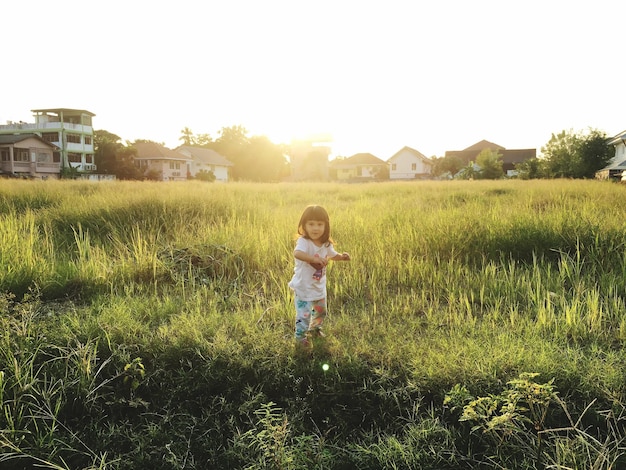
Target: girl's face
315,229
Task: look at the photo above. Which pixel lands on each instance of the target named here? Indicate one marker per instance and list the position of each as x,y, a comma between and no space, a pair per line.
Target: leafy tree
562,155
232,144
490,163
255,158
595,153
532,168
263,160
203,140
106,147
451,164
575,155
112,157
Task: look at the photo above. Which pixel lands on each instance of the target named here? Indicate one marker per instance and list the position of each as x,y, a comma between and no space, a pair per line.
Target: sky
373,76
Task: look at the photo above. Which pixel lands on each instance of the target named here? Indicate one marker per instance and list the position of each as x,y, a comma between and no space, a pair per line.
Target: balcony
46,126
33,169
78,148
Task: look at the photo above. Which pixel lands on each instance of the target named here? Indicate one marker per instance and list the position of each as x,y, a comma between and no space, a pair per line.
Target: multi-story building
70,130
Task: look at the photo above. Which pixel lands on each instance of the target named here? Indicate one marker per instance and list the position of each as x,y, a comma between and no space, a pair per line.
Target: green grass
149,325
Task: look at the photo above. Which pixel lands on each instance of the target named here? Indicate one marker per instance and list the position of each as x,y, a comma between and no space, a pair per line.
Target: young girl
313,250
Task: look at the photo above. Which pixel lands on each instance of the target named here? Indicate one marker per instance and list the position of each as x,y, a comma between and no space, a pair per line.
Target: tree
106,147
576,155
187,137
595,153
112,157
532,168
451,164
255,158
562,155
263,160
490,163
203,140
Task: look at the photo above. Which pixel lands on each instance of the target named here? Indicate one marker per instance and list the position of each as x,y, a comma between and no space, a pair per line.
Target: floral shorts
310,315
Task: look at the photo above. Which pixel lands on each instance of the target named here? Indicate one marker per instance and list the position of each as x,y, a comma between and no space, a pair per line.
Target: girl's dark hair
315,213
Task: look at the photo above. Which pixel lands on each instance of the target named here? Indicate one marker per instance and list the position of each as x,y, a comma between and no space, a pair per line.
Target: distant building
28,156
160,163
409,164
510,157
361,166
207,160
69,130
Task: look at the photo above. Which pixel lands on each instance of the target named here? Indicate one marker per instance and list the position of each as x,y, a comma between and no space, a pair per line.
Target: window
56,157
174,166
73,157
87,140
50,136
413,166
73,138
5,156
393,167
43,157
88,158
22,155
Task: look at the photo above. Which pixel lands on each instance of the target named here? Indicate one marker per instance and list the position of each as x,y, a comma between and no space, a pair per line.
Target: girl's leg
303,319
318,315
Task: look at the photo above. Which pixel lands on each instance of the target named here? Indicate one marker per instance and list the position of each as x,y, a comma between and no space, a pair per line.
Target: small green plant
134,373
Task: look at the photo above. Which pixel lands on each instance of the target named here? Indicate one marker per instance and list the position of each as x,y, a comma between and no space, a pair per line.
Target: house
510,157
70,130
160,163
359,166
408,163
207,160
616,167
28,155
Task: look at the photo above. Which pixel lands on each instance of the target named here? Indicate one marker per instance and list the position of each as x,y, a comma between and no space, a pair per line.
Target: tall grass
160,318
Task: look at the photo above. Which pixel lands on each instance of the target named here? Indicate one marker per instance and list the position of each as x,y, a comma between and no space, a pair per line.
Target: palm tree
186,136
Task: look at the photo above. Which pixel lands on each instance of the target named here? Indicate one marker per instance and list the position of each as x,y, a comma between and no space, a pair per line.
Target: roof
510,156
154,151
358,159
63,110
15,138
410,150
204,155
621,137
484,144
615,165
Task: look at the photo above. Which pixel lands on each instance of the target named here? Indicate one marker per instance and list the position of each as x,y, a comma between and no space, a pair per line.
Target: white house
207,160
616,167
70,130
159,162
408,163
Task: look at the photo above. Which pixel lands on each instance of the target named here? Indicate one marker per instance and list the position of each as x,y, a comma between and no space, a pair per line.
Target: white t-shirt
307,282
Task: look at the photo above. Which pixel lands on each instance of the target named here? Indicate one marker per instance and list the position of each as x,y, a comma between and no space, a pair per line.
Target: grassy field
149,326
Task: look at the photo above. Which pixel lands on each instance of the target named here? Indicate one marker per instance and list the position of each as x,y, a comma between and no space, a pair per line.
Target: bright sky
434,75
